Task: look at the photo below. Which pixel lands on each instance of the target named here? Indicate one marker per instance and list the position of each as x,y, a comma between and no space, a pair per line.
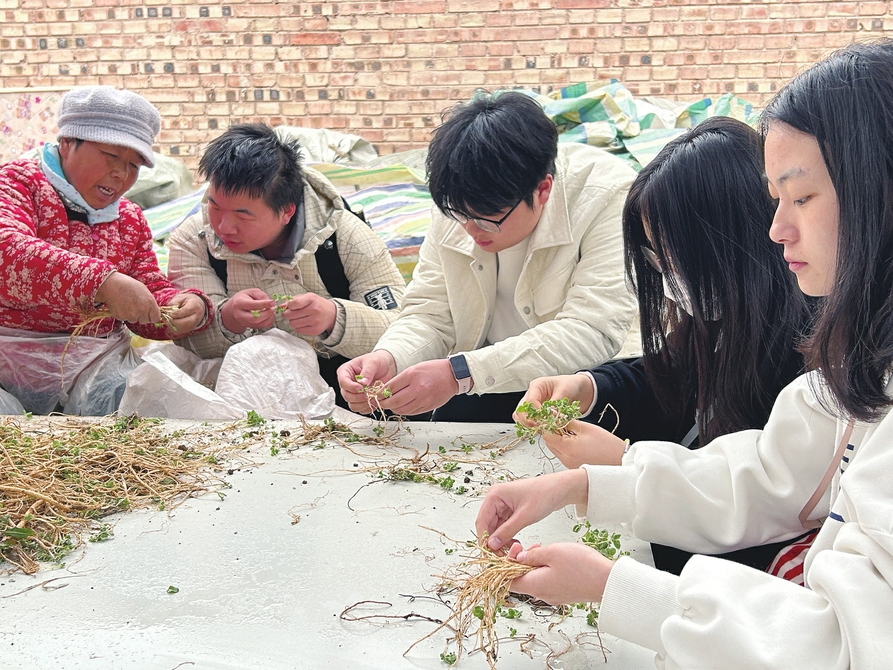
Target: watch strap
461,372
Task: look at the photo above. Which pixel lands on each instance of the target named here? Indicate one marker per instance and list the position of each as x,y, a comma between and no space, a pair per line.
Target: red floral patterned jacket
51,267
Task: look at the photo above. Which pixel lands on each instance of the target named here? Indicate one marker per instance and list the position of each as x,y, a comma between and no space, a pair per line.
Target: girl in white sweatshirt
824,459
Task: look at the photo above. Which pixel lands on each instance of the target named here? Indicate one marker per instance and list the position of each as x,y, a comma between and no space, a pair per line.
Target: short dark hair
844,102
708,212
254,159
490,153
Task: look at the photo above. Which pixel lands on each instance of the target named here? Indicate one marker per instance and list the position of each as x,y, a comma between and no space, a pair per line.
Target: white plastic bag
159,388
9,404
273,373
277,375
89,381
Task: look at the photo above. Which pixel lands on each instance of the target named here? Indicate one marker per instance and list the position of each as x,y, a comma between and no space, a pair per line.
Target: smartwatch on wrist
461,372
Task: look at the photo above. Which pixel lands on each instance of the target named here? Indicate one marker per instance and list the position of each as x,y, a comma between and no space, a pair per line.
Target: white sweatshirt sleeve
719,614
741,490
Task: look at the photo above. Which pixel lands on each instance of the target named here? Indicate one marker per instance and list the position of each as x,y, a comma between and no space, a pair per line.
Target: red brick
315,38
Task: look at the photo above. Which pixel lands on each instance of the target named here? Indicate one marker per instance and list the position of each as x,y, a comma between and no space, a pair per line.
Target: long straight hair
844,102
707,210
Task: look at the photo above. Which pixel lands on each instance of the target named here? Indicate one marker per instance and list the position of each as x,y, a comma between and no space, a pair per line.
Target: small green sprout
510,613
448,658
173,589
104,533
255,419
282,299
592,617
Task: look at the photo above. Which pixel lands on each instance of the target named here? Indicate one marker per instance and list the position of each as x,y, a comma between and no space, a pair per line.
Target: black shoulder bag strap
331,269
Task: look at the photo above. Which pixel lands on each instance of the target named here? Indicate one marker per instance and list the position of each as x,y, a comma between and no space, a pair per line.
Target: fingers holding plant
308,313
551,417
579,388
189,314
251,308
583,442
509,508
421,388
363,374
565,573
128,299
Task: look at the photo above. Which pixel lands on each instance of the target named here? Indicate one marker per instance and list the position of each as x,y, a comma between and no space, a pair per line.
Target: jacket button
527,310
275,272
489,381
480,267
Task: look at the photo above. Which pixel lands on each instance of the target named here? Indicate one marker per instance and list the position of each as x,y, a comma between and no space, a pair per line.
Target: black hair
708,212
253,159
490,153
844,102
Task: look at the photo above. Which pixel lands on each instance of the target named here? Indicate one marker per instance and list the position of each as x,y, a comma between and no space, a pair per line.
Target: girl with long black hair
720,313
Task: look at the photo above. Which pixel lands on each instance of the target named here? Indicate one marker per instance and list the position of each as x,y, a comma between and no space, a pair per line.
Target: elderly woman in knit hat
73,249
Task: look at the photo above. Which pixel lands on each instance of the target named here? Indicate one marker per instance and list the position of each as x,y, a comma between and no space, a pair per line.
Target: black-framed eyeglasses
652,258
487,225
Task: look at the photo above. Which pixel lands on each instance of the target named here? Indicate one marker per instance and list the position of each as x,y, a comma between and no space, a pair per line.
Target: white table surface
259,591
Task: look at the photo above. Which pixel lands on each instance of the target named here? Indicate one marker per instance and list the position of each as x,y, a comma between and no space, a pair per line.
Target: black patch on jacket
381,298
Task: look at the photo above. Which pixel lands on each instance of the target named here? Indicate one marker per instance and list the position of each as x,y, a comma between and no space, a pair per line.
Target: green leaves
104,533
607,544
17,533
254,419
551,417
282,299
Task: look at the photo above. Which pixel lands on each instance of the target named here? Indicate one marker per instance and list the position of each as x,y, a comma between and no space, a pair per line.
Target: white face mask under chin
682,300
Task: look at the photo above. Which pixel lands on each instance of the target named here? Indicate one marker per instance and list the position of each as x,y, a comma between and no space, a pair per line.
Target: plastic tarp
169,179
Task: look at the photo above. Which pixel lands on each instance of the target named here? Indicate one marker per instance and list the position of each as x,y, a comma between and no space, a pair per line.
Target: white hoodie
744,489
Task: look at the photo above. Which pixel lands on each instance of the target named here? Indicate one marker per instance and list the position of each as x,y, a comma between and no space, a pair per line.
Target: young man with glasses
520,275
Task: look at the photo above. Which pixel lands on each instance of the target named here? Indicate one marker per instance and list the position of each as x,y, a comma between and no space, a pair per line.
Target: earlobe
64,147
544,189
287,213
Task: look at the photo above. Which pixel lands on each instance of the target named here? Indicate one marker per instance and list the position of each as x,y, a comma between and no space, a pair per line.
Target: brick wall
384,70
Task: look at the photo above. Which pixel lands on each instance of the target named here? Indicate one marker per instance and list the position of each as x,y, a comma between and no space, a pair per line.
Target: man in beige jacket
274,246
520,275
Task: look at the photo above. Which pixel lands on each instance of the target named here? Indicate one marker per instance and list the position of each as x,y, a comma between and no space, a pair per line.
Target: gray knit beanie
108,115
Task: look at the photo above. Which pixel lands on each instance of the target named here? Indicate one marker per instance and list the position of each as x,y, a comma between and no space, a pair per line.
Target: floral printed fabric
51,267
